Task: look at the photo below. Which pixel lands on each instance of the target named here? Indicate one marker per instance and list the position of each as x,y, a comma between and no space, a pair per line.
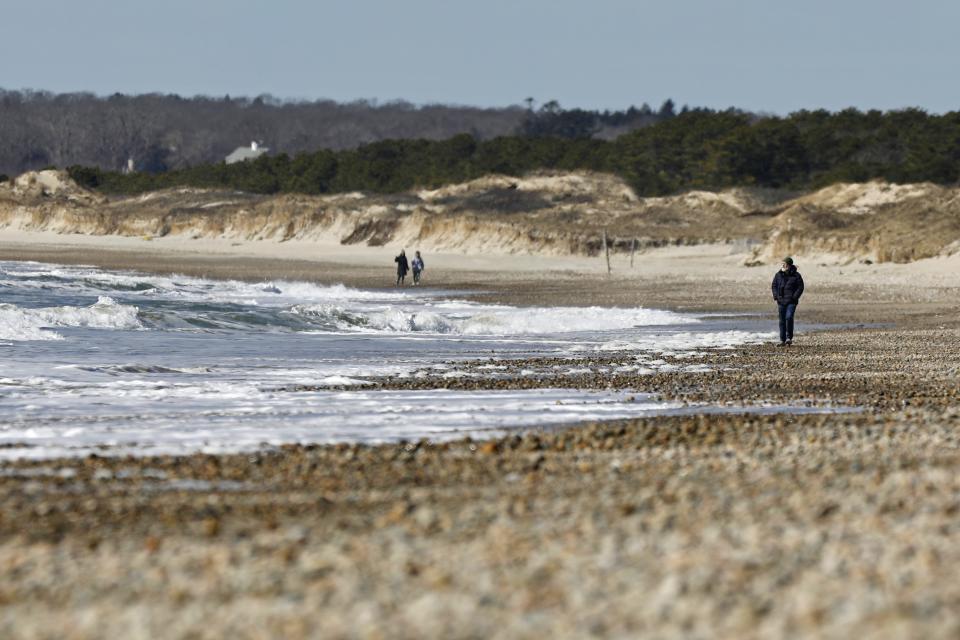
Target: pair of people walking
403,266
787,288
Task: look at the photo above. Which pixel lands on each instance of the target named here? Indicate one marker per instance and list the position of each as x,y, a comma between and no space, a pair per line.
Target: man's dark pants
786,320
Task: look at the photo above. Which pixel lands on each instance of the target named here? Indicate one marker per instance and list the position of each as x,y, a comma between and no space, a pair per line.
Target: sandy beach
713,525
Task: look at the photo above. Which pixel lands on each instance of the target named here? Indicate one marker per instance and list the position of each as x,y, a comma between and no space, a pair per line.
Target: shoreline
698,278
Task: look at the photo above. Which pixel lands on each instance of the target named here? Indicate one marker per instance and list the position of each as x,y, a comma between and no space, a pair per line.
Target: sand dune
543,214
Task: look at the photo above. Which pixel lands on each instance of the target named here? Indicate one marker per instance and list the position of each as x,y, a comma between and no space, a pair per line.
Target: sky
769,56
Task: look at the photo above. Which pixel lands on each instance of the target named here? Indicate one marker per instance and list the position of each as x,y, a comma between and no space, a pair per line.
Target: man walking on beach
787,289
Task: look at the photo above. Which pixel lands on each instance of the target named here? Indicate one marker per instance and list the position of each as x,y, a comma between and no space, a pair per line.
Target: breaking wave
462,319
17,323
91,281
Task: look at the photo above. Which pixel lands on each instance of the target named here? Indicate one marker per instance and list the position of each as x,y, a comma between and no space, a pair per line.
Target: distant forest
693,149
168,132
326,147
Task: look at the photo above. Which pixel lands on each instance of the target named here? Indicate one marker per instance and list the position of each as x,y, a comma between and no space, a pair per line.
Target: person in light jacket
417,266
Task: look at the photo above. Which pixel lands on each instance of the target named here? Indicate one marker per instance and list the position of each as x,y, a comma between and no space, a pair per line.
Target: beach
832,522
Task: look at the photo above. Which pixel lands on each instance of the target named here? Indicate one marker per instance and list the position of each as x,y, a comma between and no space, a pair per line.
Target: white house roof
246,153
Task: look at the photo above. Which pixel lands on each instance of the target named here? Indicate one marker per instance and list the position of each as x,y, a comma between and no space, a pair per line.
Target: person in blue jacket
787,289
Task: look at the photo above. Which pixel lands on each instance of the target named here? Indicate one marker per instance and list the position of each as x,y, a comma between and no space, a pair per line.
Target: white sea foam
18,323
105,313
321,417
93,281
678,342
18,326
314,417
340,381
473,319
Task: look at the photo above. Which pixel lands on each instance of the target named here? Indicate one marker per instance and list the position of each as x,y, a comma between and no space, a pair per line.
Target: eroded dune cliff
545,213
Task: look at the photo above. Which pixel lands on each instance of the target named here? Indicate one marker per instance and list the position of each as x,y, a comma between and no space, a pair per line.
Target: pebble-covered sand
723,525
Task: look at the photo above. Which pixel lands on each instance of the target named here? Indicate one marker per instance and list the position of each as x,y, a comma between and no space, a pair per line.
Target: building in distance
240,154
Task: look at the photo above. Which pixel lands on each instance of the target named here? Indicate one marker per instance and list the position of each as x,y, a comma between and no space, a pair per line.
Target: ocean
124,363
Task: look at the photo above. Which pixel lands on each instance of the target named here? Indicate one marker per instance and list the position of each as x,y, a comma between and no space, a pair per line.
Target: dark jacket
402,265
787,286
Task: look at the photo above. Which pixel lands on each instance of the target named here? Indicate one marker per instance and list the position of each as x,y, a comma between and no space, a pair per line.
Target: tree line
168,132
692,149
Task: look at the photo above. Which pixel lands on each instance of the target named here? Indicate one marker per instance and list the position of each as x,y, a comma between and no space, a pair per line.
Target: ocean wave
116,369
20,324
477,320
92,281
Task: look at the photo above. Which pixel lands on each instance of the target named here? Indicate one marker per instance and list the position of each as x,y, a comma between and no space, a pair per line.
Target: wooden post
633,249
606,250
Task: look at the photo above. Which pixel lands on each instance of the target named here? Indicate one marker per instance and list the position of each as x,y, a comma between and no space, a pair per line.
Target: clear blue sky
763,55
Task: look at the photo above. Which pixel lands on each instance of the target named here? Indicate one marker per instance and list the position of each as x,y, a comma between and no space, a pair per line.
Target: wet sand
709,525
